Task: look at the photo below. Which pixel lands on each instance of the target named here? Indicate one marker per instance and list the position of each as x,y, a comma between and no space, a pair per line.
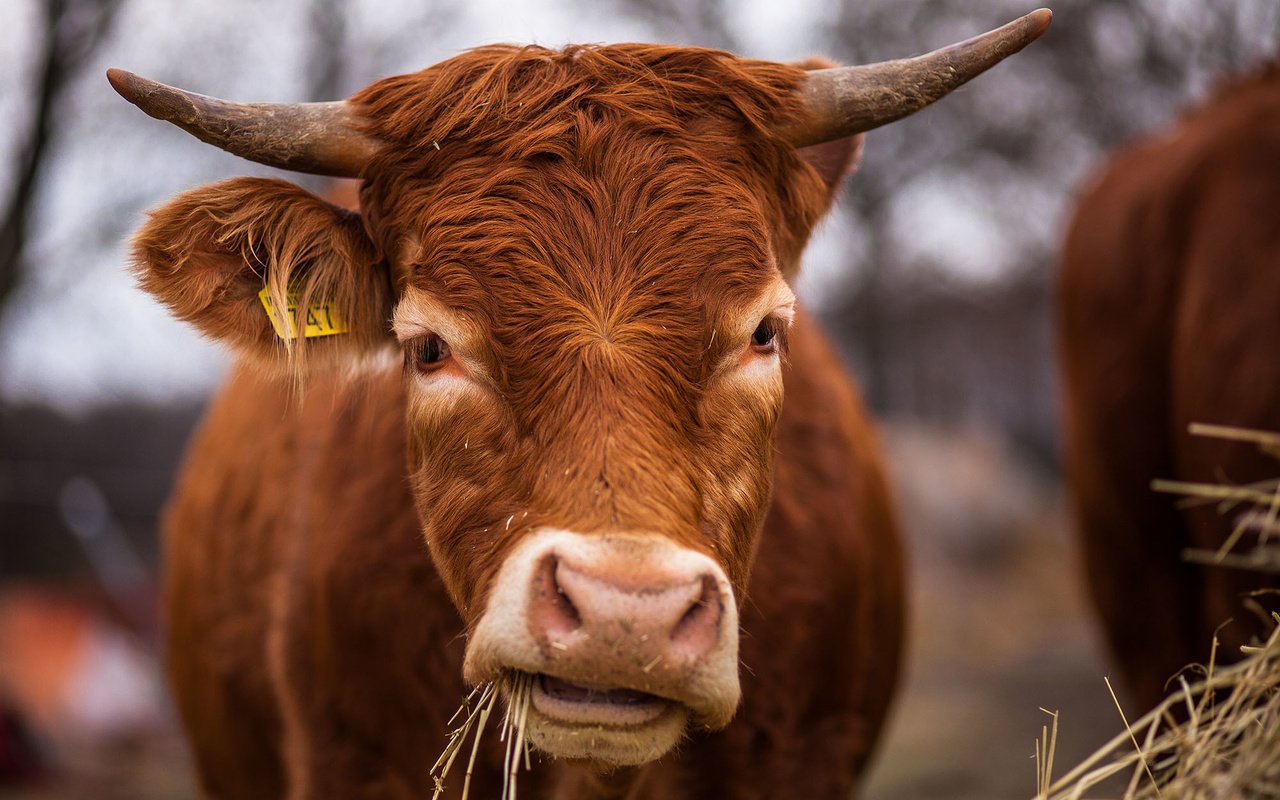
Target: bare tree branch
72,30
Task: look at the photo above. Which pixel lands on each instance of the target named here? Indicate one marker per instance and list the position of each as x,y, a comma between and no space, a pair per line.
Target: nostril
699,627
567,607
552,610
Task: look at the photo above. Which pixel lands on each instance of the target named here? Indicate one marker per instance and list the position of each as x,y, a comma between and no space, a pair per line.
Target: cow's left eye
765,337
430,352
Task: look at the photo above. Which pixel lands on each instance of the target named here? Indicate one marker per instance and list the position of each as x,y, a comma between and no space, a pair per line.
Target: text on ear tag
321,319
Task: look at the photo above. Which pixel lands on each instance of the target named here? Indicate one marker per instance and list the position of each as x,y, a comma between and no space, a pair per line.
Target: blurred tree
932,337
699,22
72,30
326,50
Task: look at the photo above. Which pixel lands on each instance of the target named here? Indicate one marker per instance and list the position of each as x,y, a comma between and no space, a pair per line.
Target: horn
842,101
319,138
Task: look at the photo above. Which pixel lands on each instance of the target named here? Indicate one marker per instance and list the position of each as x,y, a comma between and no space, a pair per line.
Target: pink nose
625,611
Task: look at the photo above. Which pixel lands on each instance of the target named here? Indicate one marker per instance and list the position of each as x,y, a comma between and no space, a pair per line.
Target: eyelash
767,336
429,352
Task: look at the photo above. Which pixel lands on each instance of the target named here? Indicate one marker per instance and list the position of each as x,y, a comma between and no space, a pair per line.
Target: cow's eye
430,352
765,337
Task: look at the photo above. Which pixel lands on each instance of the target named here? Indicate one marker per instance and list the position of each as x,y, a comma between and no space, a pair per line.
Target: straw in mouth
475,711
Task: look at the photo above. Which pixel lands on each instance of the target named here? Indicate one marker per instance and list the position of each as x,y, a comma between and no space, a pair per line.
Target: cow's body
582,489
1170,294
293,545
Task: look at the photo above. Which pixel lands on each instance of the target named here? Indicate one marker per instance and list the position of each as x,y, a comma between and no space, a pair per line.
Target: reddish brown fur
601,216
1170,289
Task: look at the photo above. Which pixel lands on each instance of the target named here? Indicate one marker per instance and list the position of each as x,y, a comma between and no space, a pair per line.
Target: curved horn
842,101
320,138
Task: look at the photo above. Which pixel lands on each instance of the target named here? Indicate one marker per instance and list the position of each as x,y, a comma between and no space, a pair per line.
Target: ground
1000,626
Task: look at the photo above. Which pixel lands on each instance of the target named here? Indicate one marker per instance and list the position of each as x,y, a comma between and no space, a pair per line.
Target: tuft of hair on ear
208,253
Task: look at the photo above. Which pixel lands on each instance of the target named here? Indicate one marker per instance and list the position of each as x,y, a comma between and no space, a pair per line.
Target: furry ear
834,160
208,253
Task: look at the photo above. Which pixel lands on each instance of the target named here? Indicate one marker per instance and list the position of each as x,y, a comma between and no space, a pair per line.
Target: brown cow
1170,312
581,257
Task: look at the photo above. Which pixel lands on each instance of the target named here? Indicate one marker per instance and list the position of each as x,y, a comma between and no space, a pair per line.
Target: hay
1226,748
475,711
1228,745
1261,516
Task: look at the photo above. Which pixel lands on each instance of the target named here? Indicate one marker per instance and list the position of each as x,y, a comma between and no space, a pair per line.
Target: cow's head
582,257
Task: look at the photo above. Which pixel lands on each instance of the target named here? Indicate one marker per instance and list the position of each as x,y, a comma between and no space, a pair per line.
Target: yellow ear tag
322,319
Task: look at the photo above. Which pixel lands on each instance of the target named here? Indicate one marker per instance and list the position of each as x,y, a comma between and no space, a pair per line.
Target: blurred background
934,274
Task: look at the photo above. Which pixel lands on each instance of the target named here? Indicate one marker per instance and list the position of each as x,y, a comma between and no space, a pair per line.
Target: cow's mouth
577,703
603,724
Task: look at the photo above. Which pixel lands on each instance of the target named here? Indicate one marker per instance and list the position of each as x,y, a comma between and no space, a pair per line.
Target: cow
1168,292
523,426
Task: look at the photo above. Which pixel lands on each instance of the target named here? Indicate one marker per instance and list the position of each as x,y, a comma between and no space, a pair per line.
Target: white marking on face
419,313
776,301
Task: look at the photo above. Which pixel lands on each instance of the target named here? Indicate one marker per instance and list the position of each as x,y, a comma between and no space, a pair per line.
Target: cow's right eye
430,352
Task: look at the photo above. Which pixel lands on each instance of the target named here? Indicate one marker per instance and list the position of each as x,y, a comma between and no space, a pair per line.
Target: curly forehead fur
620,190
526,95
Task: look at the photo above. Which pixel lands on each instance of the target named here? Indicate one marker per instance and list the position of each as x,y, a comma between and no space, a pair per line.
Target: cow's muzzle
629,638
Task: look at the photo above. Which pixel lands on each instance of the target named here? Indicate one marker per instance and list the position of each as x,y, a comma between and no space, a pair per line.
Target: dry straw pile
1229,744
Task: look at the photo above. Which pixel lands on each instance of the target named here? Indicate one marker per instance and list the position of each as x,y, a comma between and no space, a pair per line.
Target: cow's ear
219,256
834,160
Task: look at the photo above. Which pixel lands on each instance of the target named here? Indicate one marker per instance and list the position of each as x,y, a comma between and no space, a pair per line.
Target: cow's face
581,257
593,321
